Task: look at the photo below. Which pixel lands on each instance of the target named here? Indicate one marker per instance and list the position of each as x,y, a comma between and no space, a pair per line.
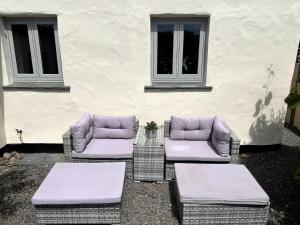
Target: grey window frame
37,75
177,76
154,44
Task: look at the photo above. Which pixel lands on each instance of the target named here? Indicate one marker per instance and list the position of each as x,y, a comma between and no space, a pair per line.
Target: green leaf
297,174
293,99
151,125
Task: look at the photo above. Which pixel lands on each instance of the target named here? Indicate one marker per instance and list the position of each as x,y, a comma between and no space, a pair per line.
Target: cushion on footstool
82,183
218,184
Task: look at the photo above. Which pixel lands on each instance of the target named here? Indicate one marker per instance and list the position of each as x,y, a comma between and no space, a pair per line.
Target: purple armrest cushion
82,132
221,137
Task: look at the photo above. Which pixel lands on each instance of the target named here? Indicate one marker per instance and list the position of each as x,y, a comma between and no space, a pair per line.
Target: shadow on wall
2,128
267,127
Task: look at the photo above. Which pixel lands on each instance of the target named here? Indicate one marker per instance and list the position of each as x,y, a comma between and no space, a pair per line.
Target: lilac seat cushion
82,183
218,184
221,137
119,127
184,150
191,128
107,149
82,132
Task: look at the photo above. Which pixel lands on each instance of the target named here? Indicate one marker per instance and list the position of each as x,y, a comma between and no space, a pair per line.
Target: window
34,49
178,50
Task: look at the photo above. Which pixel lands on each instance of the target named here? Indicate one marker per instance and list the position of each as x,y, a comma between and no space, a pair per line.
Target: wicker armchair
68,148
234,150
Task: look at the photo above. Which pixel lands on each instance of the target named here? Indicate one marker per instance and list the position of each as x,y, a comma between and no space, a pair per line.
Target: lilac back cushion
118,127
220,137
82,132
191,128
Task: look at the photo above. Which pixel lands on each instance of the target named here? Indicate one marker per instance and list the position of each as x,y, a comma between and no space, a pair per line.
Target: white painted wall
105,51
2,123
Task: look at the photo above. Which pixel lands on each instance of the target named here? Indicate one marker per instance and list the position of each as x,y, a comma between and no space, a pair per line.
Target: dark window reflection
48,50
190,49
22,48
165,35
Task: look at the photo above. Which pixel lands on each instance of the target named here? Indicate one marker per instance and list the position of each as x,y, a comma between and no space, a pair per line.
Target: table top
144,141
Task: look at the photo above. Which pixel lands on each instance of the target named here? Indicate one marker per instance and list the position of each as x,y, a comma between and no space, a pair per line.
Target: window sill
168,87
37,87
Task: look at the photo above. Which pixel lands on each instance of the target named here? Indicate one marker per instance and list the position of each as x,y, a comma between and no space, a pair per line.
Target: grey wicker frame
78,214
68,148
234,151
221,214
149,156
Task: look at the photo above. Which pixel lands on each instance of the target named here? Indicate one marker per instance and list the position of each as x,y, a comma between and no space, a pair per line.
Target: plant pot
151,133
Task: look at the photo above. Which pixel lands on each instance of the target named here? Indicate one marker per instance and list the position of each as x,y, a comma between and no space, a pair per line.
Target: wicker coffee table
223,194
81,193
148,156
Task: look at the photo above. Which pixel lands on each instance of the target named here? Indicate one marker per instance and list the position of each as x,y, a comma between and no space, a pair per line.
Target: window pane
165,35
48,50
22,48
190,48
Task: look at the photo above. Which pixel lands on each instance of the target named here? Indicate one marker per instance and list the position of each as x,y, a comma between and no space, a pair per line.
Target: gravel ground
290,137
143,203
150,203
275,171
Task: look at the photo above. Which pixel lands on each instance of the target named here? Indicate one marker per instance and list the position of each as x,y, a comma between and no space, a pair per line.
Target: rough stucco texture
2,125
105,52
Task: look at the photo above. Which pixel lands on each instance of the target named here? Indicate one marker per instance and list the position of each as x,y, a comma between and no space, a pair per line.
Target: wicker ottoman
219,194
81,193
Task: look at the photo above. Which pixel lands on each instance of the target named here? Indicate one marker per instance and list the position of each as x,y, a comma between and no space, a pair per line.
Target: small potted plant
151,129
